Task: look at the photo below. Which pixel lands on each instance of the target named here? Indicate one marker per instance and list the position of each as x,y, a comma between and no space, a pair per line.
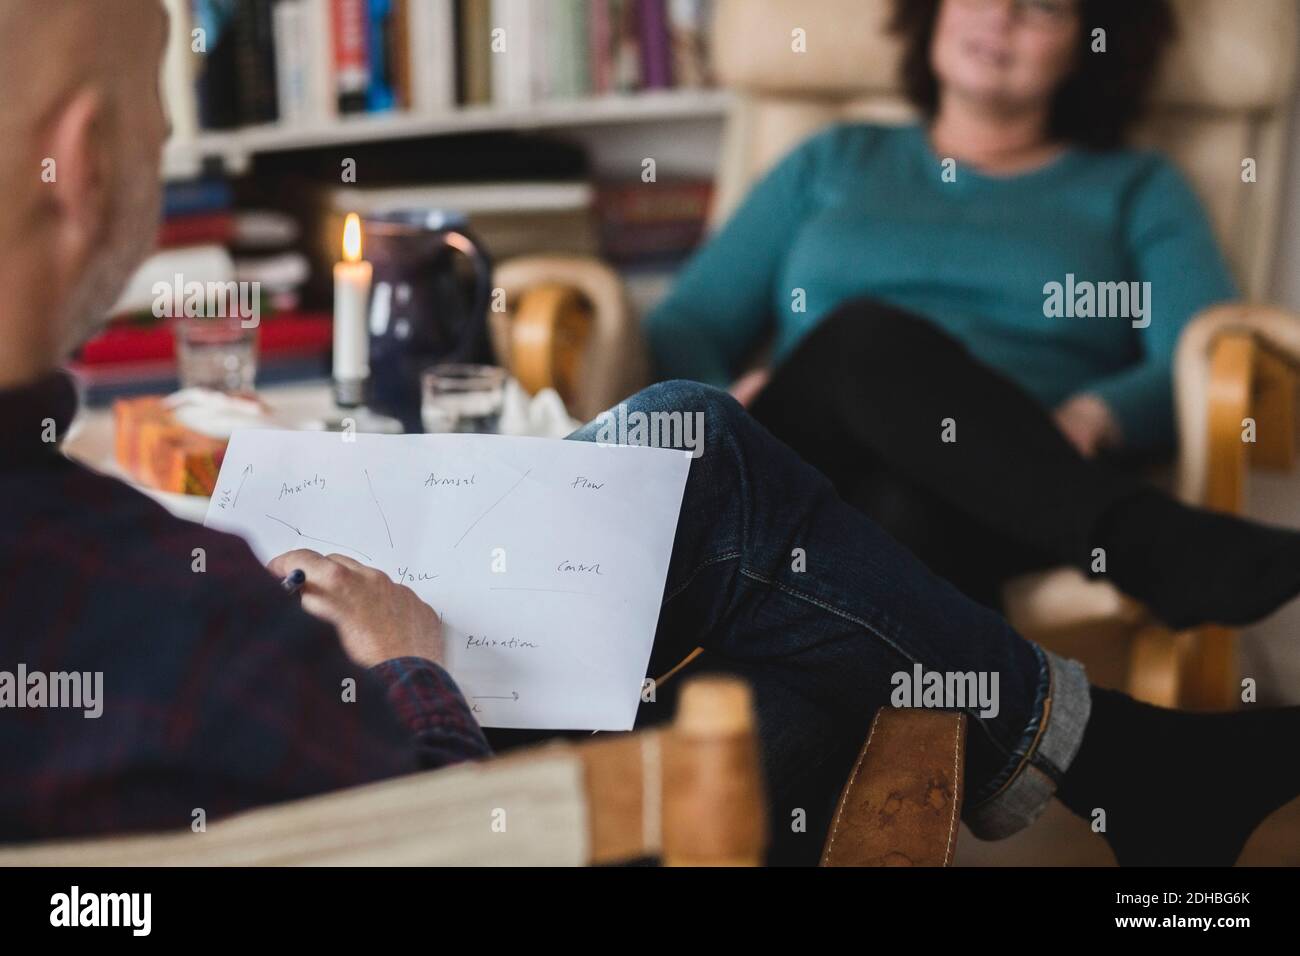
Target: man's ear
78,144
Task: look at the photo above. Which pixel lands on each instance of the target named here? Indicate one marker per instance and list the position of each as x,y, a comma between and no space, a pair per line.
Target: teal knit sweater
865,210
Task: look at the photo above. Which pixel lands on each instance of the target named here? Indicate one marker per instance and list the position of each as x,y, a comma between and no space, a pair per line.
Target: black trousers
955,461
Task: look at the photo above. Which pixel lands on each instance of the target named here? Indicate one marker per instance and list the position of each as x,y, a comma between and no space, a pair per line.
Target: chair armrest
613,361
1220,357
690,793
902,802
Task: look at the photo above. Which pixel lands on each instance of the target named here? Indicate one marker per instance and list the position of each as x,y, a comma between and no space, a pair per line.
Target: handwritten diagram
545,559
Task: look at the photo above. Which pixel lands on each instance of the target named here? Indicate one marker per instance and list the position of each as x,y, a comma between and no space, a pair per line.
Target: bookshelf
184,157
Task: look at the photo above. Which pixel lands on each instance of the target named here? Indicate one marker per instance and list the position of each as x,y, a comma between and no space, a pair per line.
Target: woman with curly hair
913,281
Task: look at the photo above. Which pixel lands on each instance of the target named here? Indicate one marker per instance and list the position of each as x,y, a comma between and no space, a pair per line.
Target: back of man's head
80,131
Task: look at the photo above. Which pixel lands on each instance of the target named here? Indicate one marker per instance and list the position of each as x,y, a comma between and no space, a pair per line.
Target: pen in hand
295,582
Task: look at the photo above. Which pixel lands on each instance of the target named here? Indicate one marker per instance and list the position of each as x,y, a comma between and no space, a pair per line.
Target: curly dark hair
1098,103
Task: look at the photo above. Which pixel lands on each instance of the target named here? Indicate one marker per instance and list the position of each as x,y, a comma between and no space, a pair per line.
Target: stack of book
236,63
204,239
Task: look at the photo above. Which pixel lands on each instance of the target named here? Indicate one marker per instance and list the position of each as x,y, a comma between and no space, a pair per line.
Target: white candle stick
352,278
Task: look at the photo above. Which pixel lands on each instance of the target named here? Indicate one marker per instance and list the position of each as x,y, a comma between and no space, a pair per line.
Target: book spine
291,60
560,32
349,25
198,196
399,53
512,53
539,67
475,37
196,230
656,51
380,96
442,15
580,43
319,44
178,73
216,79
600,32
626,46
255,58
502,52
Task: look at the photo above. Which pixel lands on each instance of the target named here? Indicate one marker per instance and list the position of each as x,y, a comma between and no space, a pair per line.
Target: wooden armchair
1221,106
689,795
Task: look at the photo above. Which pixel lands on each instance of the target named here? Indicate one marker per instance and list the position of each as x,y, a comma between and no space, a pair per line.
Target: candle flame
352,238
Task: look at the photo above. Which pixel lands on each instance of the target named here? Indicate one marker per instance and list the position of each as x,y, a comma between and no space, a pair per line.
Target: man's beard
134,222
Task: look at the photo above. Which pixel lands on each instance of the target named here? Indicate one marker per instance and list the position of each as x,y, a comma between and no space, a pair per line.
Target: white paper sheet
547,559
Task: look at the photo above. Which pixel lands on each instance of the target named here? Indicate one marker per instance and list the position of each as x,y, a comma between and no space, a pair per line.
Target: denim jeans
784,584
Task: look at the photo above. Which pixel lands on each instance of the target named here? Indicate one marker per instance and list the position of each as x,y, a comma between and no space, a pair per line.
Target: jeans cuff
1023,798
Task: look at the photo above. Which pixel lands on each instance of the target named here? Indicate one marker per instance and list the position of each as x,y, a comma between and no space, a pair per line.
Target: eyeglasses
1037,12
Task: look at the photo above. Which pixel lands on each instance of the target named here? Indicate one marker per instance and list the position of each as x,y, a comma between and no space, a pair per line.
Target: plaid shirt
219,691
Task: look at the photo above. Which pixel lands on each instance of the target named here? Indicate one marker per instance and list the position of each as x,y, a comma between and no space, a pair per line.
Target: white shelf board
183,159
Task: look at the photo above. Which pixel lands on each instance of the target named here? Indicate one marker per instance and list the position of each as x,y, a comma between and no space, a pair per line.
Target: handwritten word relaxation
434,481
510,643
288,490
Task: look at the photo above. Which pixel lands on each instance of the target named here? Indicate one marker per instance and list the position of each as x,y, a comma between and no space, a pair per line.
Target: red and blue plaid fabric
219,692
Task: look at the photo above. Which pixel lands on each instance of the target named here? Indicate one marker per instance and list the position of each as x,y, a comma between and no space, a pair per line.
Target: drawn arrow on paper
299,533
248,470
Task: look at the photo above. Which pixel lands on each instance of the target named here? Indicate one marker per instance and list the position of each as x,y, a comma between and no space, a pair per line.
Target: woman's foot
1192,566
1181,789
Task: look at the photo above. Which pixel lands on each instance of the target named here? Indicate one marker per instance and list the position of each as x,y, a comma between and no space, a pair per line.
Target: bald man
210,691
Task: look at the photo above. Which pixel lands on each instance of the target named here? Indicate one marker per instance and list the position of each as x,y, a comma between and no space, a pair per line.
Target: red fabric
197,230
285,334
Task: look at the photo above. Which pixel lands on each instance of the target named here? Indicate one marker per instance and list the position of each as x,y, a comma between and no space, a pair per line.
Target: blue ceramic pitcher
429,303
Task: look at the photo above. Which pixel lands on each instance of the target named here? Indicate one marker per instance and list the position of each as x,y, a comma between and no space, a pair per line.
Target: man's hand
377,620
1087,422
746,388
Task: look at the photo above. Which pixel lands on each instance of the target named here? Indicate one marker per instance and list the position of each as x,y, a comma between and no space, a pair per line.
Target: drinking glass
216,353
462,398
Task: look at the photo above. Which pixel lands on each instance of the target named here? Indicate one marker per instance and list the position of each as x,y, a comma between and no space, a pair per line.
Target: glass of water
462,398
216,353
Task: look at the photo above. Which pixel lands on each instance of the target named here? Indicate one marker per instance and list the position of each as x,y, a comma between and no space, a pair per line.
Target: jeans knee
682,395
694,414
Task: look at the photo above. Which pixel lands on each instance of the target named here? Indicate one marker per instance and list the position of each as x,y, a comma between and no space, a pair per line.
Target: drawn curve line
321,540
371,486
489,511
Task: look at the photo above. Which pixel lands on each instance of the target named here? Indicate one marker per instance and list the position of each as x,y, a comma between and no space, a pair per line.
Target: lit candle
352,279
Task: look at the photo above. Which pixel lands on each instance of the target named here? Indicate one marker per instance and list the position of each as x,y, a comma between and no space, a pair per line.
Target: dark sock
1192,566
1181,789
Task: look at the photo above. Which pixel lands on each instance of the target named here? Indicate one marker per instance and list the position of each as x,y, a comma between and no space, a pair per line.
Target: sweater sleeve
1173,248
721,305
